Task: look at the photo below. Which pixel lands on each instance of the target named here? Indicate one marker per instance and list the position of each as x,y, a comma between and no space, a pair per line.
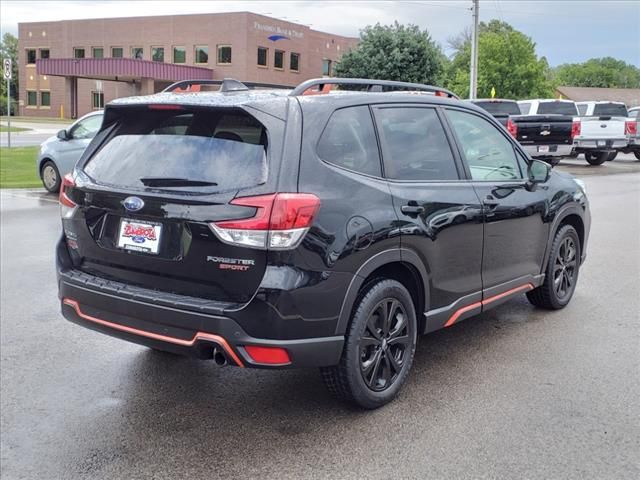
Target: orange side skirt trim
486,301
155,336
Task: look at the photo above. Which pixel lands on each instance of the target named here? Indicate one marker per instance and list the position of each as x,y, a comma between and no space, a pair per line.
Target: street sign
7,68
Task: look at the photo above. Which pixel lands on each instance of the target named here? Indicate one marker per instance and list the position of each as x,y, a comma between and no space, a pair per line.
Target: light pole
473,77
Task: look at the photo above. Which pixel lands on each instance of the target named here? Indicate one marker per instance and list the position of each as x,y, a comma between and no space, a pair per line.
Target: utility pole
473,77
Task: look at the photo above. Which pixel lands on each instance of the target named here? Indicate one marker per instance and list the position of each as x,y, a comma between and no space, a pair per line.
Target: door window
414,145
86,128
349,141
489,154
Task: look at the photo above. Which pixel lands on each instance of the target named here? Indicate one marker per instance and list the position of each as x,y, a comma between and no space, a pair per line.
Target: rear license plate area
543,149
139,236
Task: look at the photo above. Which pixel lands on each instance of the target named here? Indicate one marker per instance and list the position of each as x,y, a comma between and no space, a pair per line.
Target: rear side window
489,154
582,110
557,108
349,141
525,107
414,145
612,109
225,148
500,108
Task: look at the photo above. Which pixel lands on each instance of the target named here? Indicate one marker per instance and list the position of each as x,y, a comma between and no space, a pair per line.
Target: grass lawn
4,128
18,167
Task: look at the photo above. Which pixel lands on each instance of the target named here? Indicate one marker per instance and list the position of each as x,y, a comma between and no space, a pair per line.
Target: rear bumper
554,150
600,143
184,332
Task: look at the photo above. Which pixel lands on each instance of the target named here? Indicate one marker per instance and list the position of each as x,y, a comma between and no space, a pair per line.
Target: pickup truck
500,109
546,128
605,130
633,134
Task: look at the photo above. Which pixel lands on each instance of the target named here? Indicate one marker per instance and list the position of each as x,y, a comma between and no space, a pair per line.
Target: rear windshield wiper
175,182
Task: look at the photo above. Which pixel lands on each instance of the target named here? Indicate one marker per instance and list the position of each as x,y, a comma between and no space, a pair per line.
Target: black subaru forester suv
316,227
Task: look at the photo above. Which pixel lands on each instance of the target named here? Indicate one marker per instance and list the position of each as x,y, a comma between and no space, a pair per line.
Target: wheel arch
570,215
44,160
398,264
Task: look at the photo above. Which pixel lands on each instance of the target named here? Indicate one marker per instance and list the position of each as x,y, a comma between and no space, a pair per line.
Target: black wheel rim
384,344
564,269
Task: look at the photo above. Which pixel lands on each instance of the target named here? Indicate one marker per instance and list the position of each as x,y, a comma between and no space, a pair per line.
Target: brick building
70,67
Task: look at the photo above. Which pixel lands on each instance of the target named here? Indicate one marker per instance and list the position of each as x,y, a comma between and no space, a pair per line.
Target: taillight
512,128
280,222
67,206
630,127
575,128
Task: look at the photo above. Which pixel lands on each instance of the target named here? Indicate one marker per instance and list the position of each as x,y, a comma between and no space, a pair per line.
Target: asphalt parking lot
514,393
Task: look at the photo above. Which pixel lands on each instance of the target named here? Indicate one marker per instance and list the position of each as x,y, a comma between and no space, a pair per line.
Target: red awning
120,69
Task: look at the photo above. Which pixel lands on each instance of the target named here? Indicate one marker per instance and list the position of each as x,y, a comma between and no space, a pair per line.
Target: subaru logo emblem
133,204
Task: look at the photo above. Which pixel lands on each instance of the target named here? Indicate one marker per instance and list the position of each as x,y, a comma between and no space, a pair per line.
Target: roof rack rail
226,85
372,86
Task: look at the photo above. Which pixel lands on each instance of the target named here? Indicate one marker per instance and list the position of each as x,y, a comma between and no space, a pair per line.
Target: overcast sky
564,30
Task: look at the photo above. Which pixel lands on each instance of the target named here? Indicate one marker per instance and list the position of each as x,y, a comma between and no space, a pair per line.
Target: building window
202,54
294,62
78,52
137,53
44,53
97,100
31,56
179,55
326,67
97,52
45,99
263,54
117,52
278,60
32,98
157,54
224,54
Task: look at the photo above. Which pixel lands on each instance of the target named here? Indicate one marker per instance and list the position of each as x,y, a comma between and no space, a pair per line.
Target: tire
372,369
562,270
612,156
573,154
596,158
50,177
637,154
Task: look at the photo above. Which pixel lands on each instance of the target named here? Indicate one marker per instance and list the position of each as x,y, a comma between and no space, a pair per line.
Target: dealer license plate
139,236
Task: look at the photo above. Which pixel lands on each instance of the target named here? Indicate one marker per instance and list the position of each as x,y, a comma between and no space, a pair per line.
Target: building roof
120,69
628,96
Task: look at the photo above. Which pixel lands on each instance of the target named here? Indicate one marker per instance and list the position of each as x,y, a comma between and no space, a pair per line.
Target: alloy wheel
384,344
49,177
564,269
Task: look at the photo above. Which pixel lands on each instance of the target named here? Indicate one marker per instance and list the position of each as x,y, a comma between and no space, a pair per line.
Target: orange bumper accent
155,336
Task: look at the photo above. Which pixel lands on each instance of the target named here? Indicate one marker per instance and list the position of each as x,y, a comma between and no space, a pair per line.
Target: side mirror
538,172
63,135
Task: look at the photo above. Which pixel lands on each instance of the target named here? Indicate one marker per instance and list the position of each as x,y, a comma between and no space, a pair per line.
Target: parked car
272,229
546,128
633,133
59,154
604,130
500,109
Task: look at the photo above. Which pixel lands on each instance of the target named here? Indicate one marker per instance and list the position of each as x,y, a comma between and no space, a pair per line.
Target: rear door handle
412,209
490,201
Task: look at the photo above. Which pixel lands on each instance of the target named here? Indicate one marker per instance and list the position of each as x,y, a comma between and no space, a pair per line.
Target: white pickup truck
603,130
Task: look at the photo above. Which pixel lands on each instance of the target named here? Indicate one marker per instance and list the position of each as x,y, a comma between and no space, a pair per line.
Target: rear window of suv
500,108
612,109
225,148
557,108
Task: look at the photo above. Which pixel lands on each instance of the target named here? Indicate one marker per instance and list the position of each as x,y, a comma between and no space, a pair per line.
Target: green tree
598,72
9,49
507,61
394,52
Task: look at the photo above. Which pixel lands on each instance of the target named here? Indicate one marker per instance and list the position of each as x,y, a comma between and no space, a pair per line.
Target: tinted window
557,108
228,149
489,154
31,56
414,145
278,59
613,109
500,108
524,107
349,141
262,56
582,110
294,62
